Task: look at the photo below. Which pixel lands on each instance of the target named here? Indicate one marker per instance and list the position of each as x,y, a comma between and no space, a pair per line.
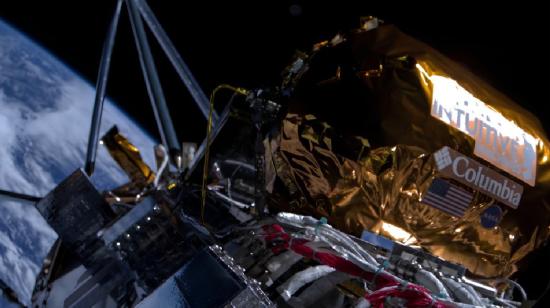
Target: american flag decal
447,197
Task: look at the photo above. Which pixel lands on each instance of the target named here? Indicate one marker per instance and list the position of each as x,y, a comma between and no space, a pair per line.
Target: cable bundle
383,283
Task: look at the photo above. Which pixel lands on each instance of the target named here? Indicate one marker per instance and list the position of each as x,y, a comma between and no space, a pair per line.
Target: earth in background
45,113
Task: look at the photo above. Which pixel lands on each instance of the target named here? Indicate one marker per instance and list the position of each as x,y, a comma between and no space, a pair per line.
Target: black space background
248,44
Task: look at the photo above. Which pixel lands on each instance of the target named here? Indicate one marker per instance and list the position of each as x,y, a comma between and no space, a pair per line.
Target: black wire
16,195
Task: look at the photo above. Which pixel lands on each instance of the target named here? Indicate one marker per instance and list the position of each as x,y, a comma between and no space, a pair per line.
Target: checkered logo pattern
443,158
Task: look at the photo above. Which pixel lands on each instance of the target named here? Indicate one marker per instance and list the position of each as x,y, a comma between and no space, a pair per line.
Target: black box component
77,211
205,282
210,279
153,242
234,135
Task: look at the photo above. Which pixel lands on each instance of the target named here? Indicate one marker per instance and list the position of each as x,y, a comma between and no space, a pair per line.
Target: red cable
415,295
385,284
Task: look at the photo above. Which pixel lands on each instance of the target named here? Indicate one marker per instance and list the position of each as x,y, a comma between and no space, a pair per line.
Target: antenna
19,196
138,11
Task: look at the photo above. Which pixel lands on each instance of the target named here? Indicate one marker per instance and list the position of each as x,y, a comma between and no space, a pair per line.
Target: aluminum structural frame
139,11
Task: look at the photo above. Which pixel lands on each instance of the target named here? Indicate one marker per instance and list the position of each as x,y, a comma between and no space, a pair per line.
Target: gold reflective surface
129,159
377,185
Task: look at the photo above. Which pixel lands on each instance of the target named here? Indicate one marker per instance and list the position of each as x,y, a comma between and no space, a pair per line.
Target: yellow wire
240,91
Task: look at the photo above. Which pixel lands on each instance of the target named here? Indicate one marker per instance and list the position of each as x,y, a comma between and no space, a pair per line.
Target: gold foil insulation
129,159
313,169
